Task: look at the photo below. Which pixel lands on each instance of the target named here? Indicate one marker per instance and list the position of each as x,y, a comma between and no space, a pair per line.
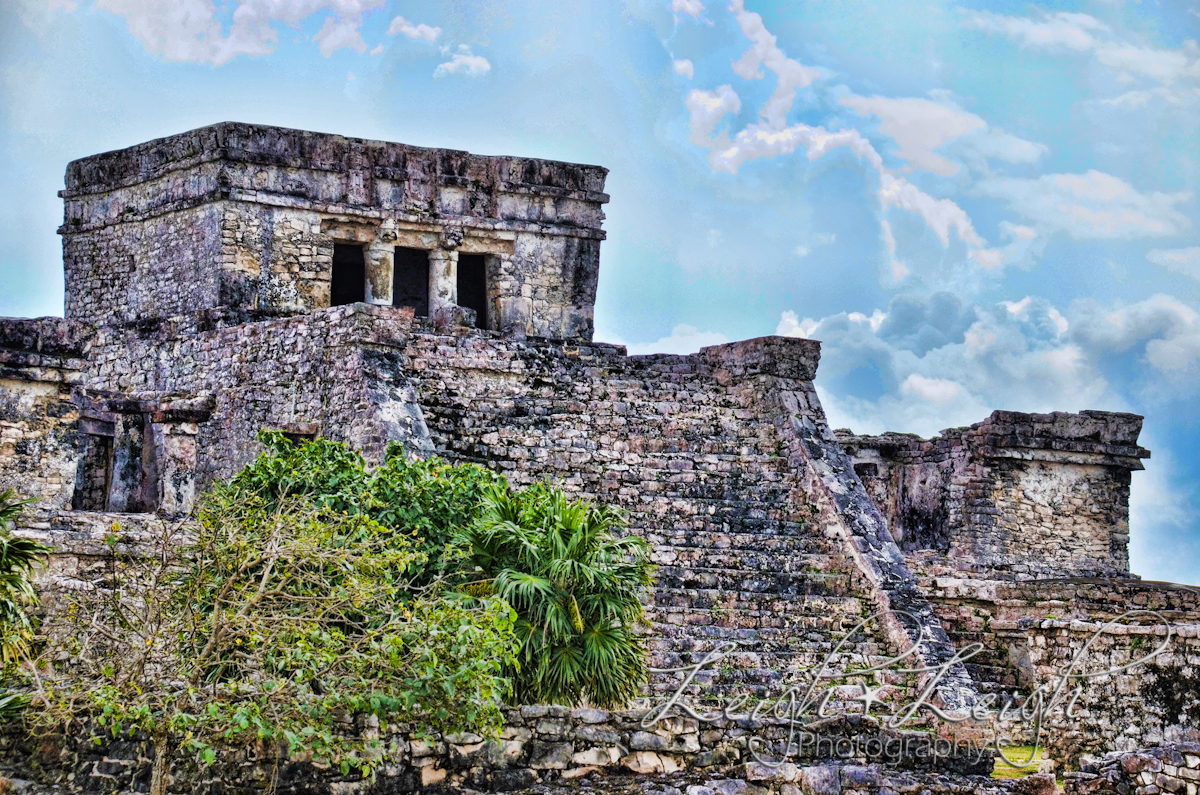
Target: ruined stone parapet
1018,495
252,217
41,360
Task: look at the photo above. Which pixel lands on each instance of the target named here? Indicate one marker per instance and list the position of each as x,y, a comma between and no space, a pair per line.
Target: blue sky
974,205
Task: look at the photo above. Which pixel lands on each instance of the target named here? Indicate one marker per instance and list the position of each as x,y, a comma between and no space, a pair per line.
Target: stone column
513,305
443,280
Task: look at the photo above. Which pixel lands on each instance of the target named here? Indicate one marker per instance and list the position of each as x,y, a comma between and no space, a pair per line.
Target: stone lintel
100,408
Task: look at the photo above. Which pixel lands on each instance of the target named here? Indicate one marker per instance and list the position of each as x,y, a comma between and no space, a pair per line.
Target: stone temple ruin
237,278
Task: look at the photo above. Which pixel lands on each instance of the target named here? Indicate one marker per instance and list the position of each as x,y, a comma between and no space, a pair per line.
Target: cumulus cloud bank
1090,205
940,362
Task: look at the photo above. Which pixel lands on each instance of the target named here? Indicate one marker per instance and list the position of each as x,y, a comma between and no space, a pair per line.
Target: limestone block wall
1024,495
1031,630
124,265
41,361
247,216
333,373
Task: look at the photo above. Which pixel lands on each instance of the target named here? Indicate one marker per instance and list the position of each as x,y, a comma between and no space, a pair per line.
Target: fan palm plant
17,559
574,584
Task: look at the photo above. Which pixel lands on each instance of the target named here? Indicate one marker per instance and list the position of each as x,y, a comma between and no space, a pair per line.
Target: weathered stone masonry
244,216
236,278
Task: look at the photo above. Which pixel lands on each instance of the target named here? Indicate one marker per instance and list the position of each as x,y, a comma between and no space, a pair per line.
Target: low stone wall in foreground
539,746
1146,771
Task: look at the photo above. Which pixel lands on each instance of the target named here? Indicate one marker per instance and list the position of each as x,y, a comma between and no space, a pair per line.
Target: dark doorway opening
93,478
410,280
349,283
472,286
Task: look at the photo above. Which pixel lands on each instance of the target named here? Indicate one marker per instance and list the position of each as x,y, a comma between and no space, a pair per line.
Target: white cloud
1082,33
790,74
899,269
770,137
802,251
707,108
940,214
1017,307
943,364
1058,320
188,30
999,145
1139,99
918,127
463,63
1072,31
1170,329
756,141
790,325
1091,205
1165,66
1018,231
1179,260
989,258
874,321
685,68
934,390
693,8
414,32
683,339
337,33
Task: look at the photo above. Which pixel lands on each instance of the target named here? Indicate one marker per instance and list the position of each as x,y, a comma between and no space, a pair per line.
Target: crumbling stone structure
238,278
1021,495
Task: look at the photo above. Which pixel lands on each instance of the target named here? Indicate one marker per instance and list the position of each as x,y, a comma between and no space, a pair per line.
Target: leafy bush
275,622
18,556
574,585
536,549
424,500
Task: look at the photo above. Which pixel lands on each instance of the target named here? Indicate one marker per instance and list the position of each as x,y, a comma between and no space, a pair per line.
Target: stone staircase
698,463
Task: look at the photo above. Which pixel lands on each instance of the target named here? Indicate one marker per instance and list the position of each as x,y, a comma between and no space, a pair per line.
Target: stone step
737,579
721,608
772,538
746,560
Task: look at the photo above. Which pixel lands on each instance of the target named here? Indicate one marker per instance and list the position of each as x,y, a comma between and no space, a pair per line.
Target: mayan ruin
237,278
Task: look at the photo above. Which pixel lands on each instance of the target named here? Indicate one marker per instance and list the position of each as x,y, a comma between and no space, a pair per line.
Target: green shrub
424,500
18,556
272,624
